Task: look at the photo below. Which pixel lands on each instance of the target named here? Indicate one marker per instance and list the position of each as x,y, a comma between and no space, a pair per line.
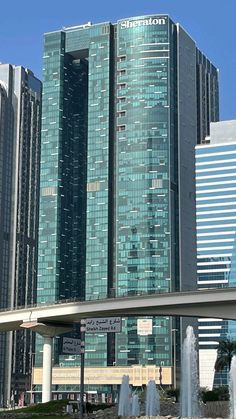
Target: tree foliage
225,352
217,394
173,392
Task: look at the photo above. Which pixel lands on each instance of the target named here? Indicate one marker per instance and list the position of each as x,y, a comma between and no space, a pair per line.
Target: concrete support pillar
47,331
47,369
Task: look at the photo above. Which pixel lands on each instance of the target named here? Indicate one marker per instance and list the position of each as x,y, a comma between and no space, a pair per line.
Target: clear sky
211,23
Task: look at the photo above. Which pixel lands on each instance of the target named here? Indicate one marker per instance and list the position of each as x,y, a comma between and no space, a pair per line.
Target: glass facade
6,146
143,175
117,144
20,120
216,229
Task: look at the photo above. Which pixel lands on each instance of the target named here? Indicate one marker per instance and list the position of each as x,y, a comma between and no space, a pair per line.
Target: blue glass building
216,229
124,105
20,123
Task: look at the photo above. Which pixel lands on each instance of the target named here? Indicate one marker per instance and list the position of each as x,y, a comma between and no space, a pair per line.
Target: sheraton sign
142,22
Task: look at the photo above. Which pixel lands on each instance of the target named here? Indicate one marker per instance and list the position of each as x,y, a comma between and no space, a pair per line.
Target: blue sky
211,23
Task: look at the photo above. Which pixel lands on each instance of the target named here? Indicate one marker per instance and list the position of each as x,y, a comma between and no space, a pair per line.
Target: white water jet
135,411
124,407
189,376
152,399
232,387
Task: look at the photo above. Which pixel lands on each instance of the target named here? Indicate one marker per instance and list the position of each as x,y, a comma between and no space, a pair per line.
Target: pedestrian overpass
215,303
54,319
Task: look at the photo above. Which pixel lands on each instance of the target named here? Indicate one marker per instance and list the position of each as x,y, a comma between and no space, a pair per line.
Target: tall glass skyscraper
20,120
124,105
216,230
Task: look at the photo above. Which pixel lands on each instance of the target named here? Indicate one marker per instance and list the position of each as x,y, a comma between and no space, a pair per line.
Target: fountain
189,376
152,399
124,407
129,404
232,387
135,411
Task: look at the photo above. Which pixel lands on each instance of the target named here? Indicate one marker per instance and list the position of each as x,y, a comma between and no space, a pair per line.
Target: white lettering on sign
105,325
126,24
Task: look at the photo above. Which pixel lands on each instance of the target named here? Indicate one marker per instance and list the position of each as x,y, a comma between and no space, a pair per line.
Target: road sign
71,346
144,327
103,325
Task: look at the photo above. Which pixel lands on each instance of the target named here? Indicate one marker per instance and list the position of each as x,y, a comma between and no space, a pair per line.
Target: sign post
77,346
82,335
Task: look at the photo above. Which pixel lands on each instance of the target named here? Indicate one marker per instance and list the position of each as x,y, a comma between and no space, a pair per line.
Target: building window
121,113
49,191
93,186
157,183
121,128
121,72
121,99
122,58
121,86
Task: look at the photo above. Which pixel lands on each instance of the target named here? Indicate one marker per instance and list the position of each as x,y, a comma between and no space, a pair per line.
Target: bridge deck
214,303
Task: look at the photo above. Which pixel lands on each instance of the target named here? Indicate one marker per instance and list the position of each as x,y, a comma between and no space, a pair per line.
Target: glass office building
124,105
216,229
20,120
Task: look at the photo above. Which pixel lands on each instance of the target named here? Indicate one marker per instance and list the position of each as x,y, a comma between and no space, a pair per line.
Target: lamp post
173,332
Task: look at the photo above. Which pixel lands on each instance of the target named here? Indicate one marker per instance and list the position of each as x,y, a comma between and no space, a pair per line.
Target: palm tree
225,352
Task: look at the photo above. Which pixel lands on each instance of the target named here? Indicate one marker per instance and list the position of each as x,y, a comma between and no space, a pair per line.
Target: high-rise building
123,106
216,229
20,119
